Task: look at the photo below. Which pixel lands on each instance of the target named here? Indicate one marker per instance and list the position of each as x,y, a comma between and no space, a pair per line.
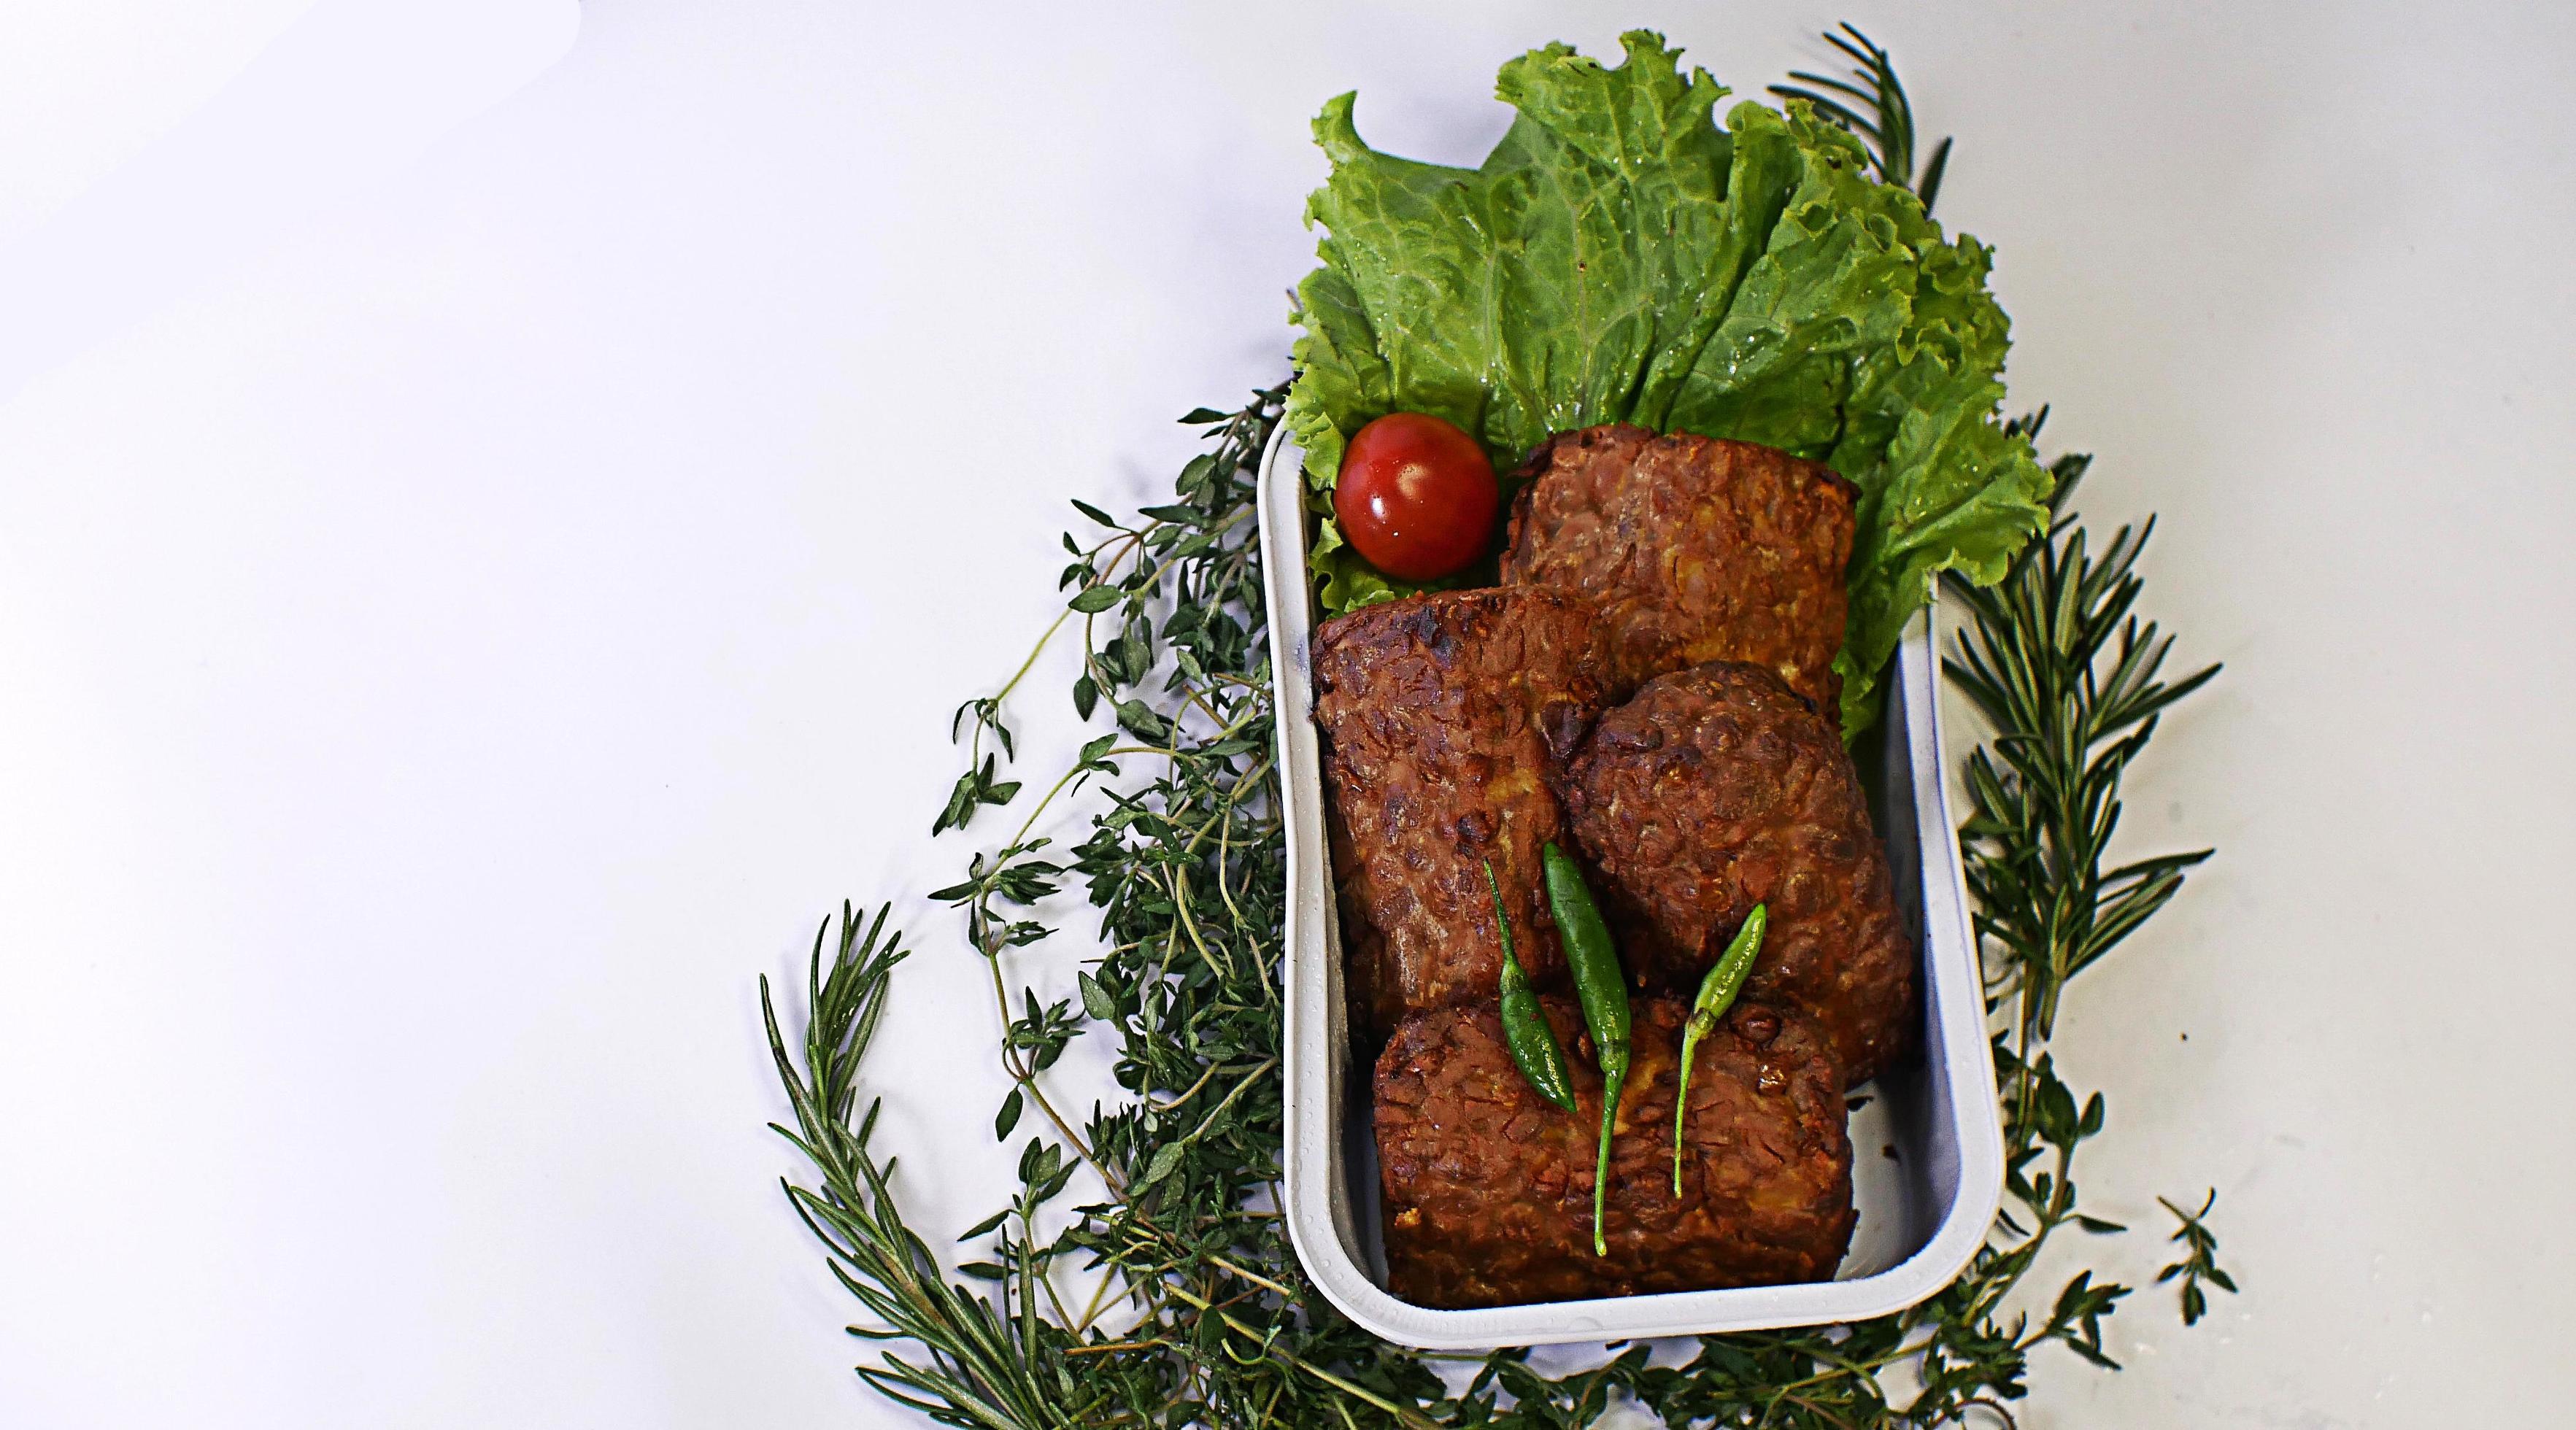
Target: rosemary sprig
1201,1315
986,1362
1872,104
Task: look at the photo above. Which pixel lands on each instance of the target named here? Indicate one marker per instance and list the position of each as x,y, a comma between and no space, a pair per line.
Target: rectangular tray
1927,1150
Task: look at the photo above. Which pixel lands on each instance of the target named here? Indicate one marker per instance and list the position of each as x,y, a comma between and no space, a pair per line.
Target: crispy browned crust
1697,549
1445,720
1489,1188
1716,789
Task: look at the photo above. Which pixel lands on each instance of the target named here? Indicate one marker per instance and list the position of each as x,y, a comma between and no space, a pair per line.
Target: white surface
1933,1111
502,567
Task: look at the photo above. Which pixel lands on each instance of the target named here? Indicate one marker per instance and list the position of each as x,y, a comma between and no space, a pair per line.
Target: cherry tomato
1416,496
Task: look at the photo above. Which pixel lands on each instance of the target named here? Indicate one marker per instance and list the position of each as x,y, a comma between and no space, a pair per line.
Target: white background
497,502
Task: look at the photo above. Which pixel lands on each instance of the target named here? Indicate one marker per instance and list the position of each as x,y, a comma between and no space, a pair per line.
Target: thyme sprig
1197,1312
2199,1262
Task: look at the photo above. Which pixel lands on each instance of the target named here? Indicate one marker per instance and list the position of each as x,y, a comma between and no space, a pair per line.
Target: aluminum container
1927,1147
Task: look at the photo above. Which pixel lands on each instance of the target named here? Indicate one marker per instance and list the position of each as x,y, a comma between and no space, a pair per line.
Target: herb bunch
1197,1312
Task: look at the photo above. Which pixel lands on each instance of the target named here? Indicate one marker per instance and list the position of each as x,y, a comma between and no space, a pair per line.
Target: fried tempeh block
1697,549
1445,718
1488,1188
1716,789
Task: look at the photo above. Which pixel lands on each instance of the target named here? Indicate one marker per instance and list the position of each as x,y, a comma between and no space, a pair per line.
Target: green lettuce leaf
1621,257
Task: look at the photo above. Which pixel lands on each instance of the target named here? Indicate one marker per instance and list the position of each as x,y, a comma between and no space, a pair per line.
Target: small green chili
1716,994
1603,987
1525,1027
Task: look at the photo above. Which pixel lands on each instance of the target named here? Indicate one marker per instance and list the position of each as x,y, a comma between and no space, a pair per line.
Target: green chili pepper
1603,987
1525,1027
1716,994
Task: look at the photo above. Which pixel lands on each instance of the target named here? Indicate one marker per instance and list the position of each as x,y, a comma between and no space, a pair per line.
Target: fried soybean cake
1697,550
1716,789
1488,1187
1446,720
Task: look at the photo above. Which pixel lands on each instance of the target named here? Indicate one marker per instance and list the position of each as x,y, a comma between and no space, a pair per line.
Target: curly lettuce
1620,257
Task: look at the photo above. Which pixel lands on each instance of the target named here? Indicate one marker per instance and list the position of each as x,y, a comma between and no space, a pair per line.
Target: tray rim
1958,1054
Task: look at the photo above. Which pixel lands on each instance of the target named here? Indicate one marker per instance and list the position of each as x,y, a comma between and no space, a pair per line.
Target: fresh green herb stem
1526,1031
1717,990
1601,984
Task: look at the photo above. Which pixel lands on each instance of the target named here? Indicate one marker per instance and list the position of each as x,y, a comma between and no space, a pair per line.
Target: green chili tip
1717,993
1525,1028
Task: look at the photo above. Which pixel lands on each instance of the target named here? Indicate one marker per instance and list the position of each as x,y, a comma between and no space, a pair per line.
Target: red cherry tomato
1416,496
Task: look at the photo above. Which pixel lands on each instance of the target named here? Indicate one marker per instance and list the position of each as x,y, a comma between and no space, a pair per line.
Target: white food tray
1927,1149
